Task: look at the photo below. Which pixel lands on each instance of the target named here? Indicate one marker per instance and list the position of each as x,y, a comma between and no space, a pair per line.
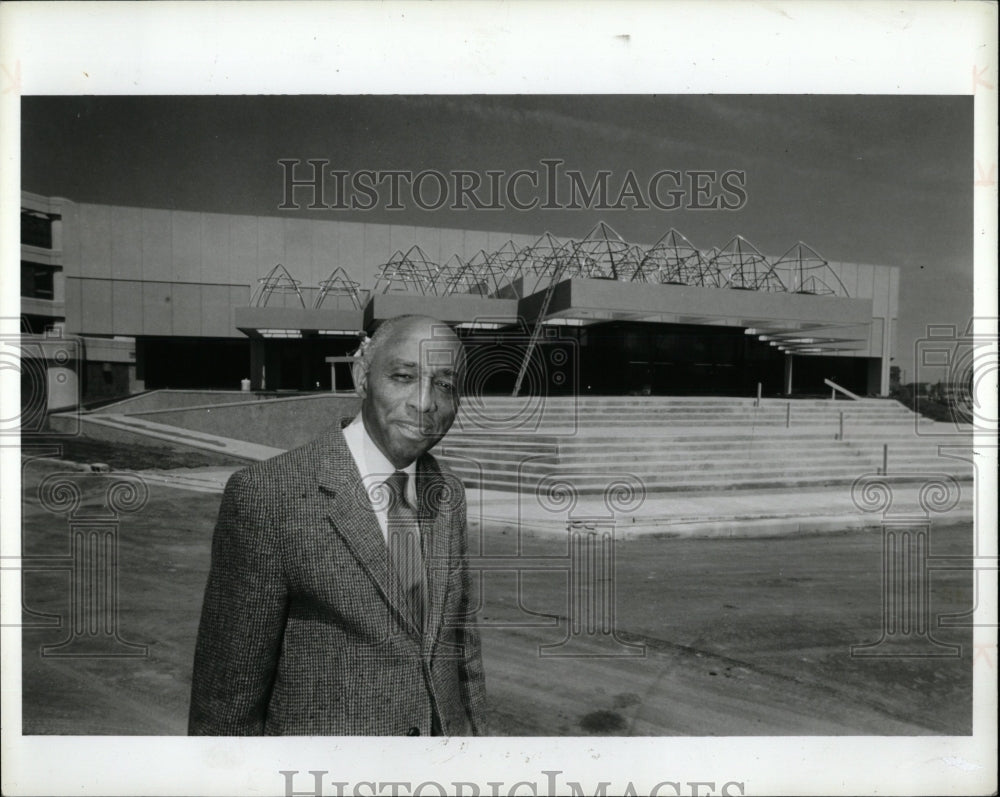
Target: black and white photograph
550,422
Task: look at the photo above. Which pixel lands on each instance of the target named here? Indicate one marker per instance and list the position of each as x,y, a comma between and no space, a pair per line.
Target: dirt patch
603,722
627,700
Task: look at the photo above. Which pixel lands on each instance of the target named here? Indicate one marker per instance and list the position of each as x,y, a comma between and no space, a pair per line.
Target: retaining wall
281,423
175,399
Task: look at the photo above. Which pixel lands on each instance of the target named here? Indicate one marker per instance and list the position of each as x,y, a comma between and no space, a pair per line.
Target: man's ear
359,373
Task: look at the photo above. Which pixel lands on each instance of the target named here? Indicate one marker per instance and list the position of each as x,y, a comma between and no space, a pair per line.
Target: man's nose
422,398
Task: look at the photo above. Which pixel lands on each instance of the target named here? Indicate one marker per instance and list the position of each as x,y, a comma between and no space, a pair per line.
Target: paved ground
81,449
732,513
737,636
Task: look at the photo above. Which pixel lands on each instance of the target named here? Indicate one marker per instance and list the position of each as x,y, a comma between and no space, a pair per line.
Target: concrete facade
65,368
159,275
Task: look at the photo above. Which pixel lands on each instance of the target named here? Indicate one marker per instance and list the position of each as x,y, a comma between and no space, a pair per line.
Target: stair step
690,485
685,472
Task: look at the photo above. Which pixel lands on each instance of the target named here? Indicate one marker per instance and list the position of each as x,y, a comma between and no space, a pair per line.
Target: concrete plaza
730,635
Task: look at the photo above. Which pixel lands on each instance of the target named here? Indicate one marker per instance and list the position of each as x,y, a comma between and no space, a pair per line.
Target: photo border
491,47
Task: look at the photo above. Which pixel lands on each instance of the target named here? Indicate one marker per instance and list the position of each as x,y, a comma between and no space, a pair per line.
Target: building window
36,229
42,324
37,280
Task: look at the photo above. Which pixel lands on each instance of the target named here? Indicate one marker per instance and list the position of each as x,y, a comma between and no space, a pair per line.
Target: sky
876,179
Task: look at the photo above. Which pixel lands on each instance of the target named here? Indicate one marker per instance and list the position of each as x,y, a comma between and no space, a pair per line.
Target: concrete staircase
692,444
695,444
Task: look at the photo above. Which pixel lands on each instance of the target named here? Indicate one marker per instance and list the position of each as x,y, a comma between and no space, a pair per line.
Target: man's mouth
413,431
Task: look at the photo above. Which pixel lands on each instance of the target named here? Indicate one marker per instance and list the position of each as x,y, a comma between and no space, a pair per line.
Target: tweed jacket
303,629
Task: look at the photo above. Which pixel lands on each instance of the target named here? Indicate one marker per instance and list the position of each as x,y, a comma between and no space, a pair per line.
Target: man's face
409,393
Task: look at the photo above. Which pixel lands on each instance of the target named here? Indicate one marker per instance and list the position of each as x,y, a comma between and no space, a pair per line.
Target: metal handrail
834,388
536,333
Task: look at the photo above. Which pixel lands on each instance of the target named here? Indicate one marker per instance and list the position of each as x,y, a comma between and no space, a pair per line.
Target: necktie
405,555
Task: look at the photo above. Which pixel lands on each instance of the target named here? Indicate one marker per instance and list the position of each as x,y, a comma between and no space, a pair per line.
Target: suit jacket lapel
349,510
431,489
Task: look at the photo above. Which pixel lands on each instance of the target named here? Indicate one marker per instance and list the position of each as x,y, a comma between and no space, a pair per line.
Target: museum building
117,300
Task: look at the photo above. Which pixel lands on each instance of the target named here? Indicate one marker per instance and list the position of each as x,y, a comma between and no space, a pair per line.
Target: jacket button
414,731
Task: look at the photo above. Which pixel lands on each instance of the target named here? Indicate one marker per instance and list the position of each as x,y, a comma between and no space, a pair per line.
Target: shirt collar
374,462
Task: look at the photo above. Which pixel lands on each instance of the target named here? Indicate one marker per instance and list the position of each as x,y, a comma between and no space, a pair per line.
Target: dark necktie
405,553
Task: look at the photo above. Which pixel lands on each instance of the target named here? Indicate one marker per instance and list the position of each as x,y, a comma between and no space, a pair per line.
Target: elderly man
338,601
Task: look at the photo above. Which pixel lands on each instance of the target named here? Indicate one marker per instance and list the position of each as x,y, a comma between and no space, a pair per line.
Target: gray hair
366,352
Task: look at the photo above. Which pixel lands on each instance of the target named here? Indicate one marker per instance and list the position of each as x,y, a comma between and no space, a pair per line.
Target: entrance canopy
293,322
797,323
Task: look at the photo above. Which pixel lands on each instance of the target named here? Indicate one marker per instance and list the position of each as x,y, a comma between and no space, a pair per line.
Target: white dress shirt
375,469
